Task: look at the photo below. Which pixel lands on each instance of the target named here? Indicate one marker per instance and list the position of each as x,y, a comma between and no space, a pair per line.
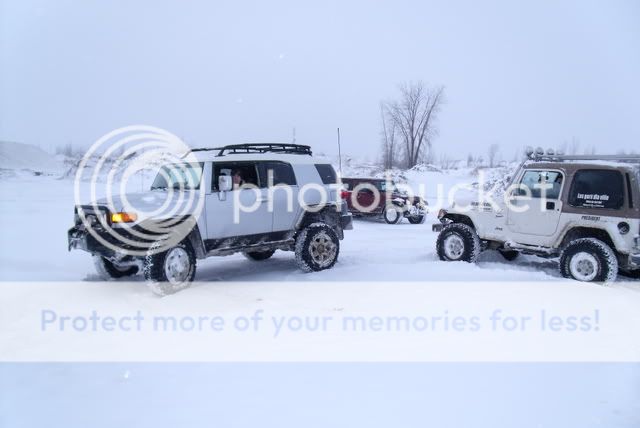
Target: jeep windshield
382,186
184,176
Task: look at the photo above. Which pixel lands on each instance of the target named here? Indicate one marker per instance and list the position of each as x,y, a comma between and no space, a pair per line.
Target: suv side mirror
225,183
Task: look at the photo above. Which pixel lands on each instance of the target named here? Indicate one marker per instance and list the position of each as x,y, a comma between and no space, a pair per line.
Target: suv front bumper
79,238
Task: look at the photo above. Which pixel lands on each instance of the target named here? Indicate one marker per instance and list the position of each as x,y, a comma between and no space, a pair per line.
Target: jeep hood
474,199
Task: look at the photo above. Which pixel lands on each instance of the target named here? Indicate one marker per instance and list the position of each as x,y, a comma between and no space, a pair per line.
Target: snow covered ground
383,270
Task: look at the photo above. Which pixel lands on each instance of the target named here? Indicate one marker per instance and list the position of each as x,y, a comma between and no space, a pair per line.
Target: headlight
123,217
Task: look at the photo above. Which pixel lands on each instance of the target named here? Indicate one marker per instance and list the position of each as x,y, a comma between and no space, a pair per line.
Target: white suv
249,198
583,209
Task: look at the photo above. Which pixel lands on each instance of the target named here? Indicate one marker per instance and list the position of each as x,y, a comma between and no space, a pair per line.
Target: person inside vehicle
238,179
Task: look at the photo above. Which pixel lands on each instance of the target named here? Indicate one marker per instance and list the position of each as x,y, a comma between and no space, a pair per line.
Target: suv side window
539,182
327,173
282,173
593,188
245,173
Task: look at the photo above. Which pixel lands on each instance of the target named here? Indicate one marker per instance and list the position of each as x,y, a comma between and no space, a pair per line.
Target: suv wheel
171,270
108,270
392,214
589,260
317,248
458,242
259,255
419,219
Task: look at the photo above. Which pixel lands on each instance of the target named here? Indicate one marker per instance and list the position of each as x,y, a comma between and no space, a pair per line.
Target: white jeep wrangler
249,198
583,209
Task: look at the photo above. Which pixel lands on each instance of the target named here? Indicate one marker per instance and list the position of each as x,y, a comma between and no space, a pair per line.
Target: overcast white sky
217,72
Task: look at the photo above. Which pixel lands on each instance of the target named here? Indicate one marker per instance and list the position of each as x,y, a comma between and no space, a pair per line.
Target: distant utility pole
293,140
339,153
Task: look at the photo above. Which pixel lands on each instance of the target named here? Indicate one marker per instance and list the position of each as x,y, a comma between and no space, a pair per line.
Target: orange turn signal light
123,217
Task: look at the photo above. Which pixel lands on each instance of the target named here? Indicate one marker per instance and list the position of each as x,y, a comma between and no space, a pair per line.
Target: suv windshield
178,176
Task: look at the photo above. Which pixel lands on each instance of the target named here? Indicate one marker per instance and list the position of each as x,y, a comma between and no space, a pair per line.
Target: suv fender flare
329,214
197,243
193,236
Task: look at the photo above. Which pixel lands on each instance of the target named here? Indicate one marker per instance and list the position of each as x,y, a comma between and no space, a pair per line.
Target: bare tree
415,114
389,138
470,160
492,154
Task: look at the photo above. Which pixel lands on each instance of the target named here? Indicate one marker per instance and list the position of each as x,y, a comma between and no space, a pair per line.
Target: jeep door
241,211
535,206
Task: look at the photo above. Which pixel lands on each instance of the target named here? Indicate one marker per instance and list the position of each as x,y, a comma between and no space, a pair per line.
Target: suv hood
144,203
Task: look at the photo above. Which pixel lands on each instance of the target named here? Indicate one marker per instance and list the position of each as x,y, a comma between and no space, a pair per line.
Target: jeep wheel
259,255
317,248
170,271
419,219
589,260
108,270
458,242
509,255
392,214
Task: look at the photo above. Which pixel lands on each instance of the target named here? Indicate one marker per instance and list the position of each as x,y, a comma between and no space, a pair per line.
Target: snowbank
17,158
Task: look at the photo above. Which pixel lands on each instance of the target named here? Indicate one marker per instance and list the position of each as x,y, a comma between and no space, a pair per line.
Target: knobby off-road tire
458,242
317,248
108,270
589,260
170,271
392,214
419,219
259,255
509,255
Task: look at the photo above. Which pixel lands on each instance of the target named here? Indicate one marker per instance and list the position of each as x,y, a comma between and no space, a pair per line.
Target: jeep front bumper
414,211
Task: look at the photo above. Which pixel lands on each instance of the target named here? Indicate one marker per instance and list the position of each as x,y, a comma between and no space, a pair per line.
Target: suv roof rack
559,158
296,149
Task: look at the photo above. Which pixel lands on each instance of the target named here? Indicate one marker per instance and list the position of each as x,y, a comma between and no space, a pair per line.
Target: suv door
223,209
280,180
541,212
